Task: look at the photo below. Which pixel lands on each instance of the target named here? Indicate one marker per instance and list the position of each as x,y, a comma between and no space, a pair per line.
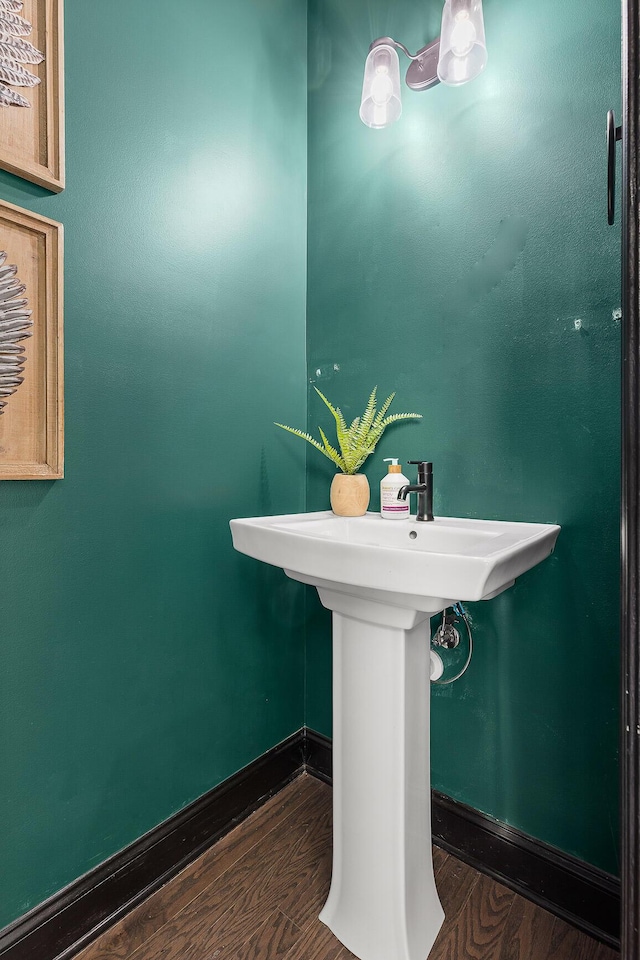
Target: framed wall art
32,91
31,346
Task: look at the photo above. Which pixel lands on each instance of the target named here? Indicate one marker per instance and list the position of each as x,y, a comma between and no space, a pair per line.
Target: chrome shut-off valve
446,635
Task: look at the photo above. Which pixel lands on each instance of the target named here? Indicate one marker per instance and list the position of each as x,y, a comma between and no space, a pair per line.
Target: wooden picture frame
32,422
32,138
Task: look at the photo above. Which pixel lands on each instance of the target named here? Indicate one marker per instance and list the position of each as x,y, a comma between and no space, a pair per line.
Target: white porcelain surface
382,584
383,903
449,559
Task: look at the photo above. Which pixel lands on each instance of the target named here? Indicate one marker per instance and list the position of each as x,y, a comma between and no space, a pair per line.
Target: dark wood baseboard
581,894
318,755
61,926
72,918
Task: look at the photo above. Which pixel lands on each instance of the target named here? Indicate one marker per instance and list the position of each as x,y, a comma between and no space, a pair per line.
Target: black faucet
424,489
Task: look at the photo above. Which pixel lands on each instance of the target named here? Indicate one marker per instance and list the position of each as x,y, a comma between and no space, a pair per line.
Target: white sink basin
446,559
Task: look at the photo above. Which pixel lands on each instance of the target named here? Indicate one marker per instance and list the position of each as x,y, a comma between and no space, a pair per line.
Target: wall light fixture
457,56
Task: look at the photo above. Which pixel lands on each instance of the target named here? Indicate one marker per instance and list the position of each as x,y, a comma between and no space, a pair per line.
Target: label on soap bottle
389,502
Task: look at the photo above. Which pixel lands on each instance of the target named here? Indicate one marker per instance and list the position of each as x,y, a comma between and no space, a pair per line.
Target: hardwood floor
256,895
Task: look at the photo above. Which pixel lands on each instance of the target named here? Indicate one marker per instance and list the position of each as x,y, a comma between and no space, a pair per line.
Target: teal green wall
135,672
450,256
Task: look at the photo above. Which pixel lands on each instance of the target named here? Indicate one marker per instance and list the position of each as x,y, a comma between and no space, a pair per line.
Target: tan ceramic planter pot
350,494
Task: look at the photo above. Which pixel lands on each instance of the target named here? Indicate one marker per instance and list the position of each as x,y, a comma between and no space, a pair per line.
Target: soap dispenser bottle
390,507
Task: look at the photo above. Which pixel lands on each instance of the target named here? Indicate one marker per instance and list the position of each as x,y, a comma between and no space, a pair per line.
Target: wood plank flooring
256,894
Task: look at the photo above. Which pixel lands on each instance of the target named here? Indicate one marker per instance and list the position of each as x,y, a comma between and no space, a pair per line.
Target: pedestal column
383,903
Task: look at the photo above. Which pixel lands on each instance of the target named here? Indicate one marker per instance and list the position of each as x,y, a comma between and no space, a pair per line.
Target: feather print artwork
10,98
14,73
15,48
15,326
13,24
14,52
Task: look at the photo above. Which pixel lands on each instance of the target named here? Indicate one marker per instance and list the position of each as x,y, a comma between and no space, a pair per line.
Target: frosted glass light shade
381,103
463,50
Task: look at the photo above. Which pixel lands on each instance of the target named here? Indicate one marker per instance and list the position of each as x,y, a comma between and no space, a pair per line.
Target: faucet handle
424,467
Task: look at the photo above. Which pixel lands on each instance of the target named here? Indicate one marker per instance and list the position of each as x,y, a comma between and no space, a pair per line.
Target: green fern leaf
377,431
400,416
327,402
341,426
361,459
358,440
304,436
383,409
353,429
332,453
367,419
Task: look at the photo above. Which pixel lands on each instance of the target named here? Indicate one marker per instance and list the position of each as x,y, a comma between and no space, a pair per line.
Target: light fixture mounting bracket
423,69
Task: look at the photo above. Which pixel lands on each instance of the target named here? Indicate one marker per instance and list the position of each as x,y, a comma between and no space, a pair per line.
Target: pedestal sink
383,580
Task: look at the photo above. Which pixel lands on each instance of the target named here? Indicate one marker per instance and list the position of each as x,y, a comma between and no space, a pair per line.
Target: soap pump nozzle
394,466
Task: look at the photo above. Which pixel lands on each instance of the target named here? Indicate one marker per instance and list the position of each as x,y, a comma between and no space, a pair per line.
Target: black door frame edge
630,574
575,891
76,915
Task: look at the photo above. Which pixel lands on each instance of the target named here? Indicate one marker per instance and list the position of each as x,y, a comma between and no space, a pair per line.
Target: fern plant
357,441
